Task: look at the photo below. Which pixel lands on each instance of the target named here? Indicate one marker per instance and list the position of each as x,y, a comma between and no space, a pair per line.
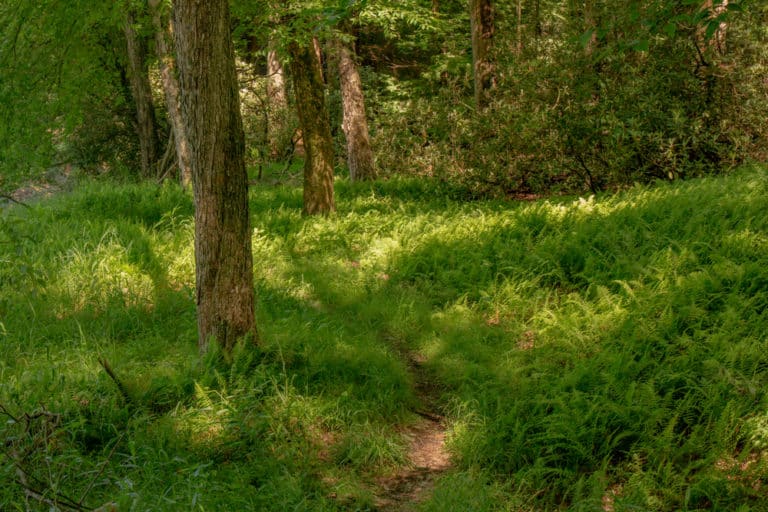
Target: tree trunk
319,55
481,20
354,124
211,109
277,101
722,30
591,24
519,27
171,90
146,125
315,129
716,43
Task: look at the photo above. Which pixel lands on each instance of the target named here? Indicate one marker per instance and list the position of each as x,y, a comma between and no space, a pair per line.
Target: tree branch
10,198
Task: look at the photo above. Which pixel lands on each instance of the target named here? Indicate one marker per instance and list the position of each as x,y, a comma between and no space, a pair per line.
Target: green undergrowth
600,353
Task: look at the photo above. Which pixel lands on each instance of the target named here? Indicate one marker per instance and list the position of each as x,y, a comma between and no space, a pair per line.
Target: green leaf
712,27
586,37
640,45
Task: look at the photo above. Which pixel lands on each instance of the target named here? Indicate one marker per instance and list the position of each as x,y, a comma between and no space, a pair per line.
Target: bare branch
10,198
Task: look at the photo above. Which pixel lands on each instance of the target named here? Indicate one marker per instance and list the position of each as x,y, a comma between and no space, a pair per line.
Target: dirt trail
427,453
53,182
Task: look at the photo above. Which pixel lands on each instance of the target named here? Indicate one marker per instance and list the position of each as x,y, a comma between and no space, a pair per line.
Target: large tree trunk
315,129
211,109
481,20
170,84
146,125
277,101
354,124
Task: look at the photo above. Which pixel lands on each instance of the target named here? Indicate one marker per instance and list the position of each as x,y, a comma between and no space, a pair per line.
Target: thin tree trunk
716,43
211,109
354,124
315,129
146,125
163,32
722,31
590,22
277,100
519,27
481,20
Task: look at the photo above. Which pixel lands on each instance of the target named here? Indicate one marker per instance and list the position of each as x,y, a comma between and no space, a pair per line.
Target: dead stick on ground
10,198
101,469
120,386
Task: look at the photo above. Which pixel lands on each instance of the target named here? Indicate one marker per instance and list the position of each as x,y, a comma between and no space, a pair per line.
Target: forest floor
54,182
419,353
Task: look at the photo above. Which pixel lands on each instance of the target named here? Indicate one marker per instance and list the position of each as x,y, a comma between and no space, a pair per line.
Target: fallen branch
120,386
5,411
101,470
10,198
36,429
22,478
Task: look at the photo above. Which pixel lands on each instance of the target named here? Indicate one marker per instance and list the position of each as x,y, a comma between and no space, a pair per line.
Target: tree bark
146,125
716,43
354,124
519,27
481,24
163,34
315,129
277,101
590,23
211,109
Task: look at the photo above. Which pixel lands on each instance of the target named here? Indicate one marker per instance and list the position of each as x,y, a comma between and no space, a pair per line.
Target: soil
54,182
427,453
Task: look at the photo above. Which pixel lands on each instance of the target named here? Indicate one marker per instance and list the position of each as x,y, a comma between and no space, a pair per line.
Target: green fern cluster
585,352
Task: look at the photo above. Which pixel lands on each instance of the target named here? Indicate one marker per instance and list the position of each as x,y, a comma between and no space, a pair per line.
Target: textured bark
722,30
211,110
354,124
146,125
519,27
163,44
278,100
481,24
319,55
315,128
716,43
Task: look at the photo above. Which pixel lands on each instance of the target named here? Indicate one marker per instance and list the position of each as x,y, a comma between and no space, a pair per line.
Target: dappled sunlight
99,277
584,345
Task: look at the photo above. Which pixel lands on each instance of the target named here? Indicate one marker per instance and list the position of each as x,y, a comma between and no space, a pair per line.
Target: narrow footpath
427,454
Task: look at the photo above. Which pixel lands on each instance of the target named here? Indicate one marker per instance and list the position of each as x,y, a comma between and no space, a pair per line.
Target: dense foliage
589,95
585,351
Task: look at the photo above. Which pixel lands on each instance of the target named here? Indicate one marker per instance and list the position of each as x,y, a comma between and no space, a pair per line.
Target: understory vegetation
589,353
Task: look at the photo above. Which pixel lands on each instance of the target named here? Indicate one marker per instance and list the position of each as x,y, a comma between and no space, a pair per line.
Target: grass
590,353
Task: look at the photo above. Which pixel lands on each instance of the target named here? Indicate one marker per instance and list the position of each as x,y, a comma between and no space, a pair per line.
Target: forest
384,255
